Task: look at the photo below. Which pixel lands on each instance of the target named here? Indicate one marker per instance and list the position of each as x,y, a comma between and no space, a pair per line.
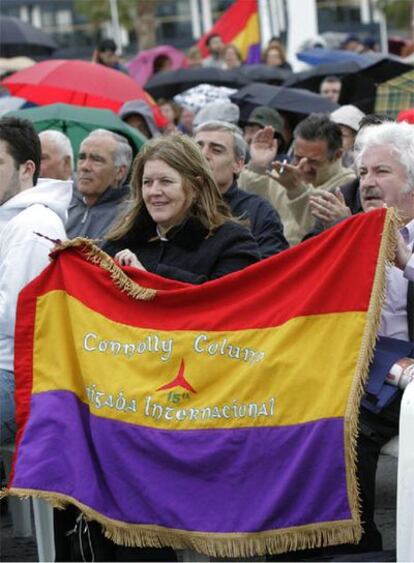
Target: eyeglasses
311,161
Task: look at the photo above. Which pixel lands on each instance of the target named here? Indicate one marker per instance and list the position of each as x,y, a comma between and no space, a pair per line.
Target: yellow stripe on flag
248,36
196,379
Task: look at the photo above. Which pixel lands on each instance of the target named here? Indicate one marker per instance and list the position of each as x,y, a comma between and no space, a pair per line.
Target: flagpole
195,19
115,24
274,19
265,24
302,25
206,15
280,13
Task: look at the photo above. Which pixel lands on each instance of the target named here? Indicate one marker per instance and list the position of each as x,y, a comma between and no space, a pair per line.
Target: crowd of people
207,195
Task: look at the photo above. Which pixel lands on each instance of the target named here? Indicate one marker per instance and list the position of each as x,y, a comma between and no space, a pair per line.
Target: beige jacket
294,212
299,205
256,182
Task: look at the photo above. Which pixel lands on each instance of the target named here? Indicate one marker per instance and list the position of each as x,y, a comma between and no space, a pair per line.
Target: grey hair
240,145
123,151
61,141
398,136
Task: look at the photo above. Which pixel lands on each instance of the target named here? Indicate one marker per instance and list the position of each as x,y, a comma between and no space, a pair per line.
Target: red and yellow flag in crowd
238,25
220,417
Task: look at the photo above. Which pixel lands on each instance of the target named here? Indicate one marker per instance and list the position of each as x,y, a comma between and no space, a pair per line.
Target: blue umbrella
318,56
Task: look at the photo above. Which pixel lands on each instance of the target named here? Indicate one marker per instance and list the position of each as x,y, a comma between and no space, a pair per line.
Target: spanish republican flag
220,417
238,25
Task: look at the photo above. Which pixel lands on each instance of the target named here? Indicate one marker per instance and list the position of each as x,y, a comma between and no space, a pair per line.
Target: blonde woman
178,225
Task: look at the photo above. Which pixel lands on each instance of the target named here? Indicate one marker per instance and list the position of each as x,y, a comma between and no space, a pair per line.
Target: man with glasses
316,165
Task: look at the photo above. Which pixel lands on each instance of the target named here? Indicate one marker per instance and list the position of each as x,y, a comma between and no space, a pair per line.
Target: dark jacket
94,221
265,223
189,255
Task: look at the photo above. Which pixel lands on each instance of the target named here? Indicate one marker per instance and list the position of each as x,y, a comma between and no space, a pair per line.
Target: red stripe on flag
23,364
231,23
295,275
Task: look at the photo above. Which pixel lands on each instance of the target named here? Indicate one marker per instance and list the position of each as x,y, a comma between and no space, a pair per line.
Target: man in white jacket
25,208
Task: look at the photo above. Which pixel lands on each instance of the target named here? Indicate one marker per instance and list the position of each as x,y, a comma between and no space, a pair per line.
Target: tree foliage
397,12
99,11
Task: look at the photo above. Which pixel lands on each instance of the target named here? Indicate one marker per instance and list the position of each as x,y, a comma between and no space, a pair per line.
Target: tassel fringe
234,545
385,260
95,255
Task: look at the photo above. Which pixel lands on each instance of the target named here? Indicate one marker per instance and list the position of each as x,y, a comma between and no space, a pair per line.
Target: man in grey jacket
103,164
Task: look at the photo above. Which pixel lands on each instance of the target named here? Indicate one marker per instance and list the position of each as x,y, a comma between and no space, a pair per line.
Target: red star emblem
178,381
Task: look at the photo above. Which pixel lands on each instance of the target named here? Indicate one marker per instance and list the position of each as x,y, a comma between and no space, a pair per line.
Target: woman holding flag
178,225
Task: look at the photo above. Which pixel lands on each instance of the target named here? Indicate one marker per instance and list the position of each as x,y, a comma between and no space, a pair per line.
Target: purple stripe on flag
241,480
254,54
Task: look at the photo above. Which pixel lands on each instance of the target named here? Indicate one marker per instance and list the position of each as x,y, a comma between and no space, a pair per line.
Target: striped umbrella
395,95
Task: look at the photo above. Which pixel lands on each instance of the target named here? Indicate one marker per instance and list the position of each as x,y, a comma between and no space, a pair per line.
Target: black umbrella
360,88
293,100
264,73
311,79
168,84
19,38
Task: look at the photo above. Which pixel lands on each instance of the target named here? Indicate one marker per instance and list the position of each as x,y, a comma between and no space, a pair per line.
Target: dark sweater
189,255
94,221
265,223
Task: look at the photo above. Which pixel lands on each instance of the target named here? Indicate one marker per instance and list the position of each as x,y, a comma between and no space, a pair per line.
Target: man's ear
339,154
26,173
121,173
238,165
67,165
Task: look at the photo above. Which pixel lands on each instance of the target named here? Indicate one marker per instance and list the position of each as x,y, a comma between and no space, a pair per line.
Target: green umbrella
396,94
77,122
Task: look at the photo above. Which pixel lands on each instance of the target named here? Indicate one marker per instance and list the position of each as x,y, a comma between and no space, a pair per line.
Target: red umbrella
80,83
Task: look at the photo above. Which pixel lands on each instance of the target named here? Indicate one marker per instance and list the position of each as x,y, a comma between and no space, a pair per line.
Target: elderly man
57,155
384,157
26,207
385,163
104,161
225,150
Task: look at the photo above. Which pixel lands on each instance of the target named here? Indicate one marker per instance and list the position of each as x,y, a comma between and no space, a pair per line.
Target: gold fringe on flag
385,260
212,544
95,255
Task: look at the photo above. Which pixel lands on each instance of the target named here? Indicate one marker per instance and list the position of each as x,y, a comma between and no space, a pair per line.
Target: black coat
265,223
189,255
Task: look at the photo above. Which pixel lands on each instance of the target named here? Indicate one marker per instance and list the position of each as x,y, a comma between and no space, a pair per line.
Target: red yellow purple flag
238,25
220,417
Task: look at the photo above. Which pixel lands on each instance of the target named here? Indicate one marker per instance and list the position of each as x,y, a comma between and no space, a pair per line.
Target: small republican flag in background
238,25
